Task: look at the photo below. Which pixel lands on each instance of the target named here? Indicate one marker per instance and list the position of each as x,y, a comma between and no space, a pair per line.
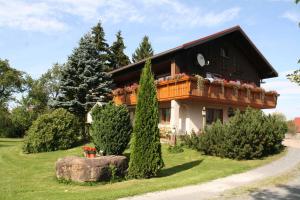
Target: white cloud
113,11
283,86
289,95
173,14
292,16
49,15
25,16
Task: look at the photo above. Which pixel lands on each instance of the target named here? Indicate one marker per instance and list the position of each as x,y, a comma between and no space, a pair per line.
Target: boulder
90,169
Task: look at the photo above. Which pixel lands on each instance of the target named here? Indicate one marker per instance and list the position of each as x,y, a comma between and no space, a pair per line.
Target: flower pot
86,150
92,155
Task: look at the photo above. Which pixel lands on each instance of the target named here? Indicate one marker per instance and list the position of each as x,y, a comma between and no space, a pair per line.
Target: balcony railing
193,88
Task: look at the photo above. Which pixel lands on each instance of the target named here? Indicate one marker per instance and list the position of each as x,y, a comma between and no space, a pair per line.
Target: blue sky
35,34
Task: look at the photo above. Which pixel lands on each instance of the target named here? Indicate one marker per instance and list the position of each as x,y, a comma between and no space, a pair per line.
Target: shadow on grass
287,193
5,145
179,168
14,140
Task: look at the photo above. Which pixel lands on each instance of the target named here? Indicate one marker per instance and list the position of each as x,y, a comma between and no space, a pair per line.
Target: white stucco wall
190,115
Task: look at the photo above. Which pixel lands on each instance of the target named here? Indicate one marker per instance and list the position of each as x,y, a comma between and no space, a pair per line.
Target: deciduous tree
11,81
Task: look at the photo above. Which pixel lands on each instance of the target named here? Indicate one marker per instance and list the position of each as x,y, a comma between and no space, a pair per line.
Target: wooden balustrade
187,87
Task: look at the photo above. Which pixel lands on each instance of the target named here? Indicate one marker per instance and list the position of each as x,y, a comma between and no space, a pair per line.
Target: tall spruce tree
118,58
143,51
146,158
101,45
83,80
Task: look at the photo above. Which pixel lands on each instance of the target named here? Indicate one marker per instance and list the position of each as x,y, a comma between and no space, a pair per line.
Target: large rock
90,169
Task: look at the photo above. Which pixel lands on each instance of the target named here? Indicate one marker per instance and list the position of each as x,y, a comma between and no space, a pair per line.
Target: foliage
37,95
191,140
212,142
143,51
102,47
145,158
51,80
83,80
21,119
5,122
111,128
292,128
55,130
175,149
118,58
11,81
113,171
295,76
246,136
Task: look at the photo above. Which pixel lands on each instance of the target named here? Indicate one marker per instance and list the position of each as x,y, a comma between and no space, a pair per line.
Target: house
202,81
297,124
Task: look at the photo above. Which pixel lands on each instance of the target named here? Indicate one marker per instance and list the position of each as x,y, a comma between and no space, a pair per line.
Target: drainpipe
203,118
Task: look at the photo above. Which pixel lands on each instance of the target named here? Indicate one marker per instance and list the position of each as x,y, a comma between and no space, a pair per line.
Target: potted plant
86,150
92,152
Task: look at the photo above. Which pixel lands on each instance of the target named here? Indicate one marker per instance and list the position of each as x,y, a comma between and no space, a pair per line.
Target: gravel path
287,191
216,187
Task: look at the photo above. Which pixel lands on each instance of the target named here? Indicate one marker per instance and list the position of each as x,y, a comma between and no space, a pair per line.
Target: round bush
248,135
111,128
56,130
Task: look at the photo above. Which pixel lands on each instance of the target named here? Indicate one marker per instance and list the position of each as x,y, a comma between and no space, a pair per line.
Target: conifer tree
143,51
83,80
101,45
146,159
118,57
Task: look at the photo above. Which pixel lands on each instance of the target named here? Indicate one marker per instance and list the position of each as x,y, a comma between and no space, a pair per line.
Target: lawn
32,176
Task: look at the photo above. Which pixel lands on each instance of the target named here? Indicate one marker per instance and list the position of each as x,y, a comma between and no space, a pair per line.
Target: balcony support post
174,119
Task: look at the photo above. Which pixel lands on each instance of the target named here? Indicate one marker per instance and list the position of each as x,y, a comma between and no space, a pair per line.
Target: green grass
32,176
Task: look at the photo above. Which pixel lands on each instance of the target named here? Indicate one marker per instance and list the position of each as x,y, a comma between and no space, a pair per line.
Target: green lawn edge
32,176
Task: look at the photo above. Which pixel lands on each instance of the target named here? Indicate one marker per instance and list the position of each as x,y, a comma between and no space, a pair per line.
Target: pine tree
118,57
146,159
83,80
101,45
143,51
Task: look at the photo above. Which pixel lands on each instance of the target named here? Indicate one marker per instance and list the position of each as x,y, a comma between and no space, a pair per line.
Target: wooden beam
174,68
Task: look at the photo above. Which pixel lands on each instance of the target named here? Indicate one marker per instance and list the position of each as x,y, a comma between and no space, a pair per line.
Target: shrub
146,158
212,141
111,128
292,129
55,130
191,140
175,149
249,135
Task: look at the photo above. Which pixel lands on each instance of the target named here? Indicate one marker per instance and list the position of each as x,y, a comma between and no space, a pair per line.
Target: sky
35,34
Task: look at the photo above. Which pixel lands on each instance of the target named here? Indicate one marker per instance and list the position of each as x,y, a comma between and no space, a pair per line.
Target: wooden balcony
192,88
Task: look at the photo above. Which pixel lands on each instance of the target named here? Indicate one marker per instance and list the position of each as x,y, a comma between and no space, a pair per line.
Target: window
165,114
212,115
224,52
230,112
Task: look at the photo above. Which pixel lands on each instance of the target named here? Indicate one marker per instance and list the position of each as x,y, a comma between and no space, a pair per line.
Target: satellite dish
200,59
